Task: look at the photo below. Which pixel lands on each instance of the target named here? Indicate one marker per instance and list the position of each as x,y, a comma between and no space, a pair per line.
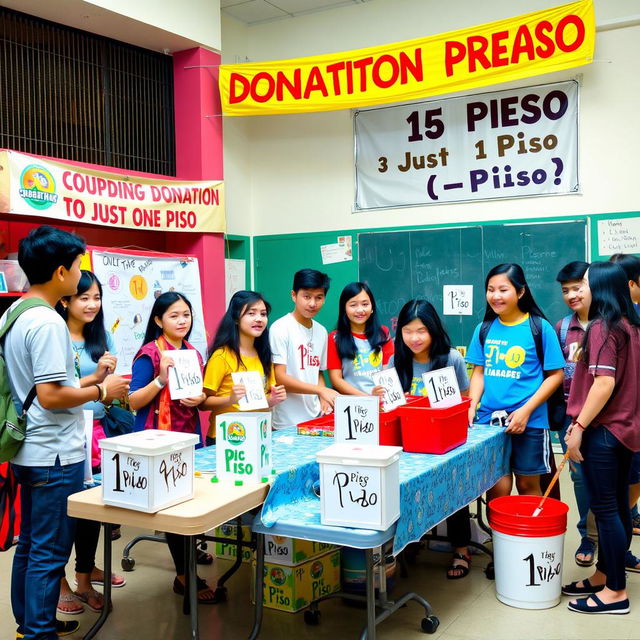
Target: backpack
556,405
13,426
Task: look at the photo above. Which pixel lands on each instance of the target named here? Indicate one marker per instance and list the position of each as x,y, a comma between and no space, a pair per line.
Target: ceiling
258,11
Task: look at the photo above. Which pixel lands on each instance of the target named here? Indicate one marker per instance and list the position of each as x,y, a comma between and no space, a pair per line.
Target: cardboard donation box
291,552
359,486
294,588
243,446
148,470
229,550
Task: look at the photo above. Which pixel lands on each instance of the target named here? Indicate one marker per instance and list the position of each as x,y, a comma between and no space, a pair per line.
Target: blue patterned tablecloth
431,486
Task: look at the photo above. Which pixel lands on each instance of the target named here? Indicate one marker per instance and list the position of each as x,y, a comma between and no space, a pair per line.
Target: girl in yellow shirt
241,344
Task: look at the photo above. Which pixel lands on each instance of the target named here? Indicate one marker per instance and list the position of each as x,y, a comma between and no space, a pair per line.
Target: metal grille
70,94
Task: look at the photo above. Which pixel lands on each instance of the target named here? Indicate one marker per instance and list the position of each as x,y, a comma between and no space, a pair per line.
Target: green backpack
13,426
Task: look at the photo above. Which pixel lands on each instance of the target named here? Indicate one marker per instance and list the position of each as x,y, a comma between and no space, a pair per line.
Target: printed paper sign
357,419
457,300
618,236
393,393
442,388
185,377
255,397
338,252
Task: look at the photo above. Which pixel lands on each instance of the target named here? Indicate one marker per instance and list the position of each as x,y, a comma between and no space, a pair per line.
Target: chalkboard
402,265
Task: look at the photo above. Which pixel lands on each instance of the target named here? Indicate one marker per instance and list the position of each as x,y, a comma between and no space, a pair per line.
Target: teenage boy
631,266
50,463
571,330
299,348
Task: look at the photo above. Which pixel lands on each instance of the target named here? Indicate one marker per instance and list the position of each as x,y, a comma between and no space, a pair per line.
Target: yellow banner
511,49
33,186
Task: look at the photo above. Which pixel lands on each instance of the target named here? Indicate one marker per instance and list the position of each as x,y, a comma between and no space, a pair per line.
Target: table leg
259,587
106,608
190,602
371,598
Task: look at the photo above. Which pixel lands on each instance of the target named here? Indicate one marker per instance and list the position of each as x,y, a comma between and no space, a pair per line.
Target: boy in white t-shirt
299,348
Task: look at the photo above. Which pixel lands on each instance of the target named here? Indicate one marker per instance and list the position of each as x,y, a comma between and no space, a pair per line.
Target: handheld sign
185,377
457,300
255,397
357,419
393,393
442,388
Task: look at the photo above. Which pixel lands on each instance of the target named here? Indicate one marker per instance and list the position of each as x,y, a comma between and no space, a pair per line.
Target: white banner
130,285
504,144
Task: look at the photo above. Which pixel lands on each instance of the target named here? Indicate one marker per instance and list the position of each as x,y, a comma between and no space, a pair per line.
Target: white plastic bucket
528,551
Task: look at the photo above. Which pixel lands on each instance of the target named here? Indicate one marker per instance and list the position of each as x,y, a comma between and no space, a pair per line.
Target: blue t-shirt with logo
512,371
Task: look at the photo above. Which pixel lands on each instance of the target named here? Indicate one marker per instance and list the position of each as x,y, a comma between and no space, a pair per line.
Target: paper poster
457,300
185,377
357,419
442,388
255,397
235,277
393,393
337,252
618,236
130,285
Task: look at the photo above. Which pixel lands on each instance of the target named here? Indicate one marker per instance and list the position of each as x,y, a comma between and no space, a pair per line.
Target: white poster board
457,300
502,144
357,419
442,387
130,285
235,277
393,393
621,235
255,397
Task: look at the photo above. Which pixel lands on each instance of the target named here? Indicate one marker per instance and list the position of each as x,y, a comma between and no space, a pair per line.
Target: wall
301,166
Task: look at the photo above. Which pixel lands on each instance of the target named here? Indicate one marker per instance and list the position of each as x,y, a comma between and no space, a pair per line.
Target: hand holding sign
393,392
254,397
442,388
185,376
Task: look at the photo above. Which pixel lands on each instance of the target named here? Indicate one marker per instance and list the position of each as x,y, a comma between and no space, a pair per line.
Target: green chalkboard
402,265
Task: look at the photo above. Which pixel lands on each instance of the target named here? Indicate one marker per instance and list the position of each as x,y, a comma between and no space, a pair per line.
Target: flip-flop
587,548
86,596
202,587
460,569
117,581
582,606
69,597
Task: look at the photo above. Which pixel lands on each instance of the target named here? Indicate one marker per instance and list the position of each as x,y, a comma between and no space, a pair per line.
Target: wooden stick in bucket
553,481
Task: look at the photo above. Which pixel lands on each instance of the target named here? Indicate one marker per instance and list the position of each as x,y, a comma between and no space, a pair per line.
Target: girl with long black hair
514,374
360,345
422,345
240,344
604,406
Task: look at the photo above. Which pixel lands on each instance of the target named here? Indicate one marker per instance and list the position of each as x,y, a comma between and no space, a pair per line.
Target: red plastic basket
428,430
322,426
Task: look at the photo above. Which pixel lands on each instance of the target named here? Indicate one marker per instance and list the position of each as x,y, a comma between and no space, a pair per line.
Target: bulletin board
131,282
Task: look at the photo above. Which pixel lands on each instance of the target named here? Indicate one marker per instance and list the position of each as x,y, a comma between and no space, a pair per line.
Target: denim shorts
530,452
634,473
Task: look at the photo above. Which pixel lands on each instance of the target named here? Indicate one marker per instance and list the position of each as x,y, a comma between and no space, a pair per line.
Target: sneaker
63,628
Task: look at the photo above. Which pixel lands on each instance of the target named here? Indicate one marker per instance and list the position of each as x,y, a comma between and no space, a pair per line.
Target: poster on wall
131,282
503,144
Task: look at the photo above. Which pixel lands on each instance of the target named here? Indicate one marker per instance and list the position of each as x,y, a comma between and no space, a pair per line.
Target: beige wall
294,173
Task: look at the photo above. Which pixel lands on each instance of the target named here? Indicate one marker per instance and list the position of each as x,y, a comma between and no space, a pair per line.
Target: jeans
606,469
579,484
46,538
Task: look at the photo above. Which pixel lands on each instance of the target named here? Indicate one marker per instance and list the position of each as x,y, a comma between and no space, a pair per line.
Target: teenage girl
240,344
604,406
509,376
422,345
95,359
360,345
169,327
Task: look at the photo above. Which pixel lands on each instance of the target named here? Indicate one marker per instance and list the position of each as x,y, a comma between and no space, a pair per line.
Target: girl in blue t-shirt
422,344
510,377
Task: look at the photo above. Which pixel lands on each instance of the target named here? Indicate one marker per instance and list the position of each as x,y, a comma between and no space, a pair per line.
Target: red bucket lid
513,515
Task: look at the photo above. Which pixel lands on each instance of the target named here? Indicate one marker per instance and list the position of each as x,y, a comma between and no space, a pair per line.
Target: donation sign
255,397
71,194
185,377
393,393
357,419
504,144
442,388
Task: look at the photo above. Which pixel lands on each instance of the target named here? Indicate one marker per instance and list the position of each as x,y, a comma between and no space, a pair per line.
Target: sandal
457,571
202,587
582,606
69,598
587,549
202,557
631,562
92,599
587,588
116,533
635,523
117,581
